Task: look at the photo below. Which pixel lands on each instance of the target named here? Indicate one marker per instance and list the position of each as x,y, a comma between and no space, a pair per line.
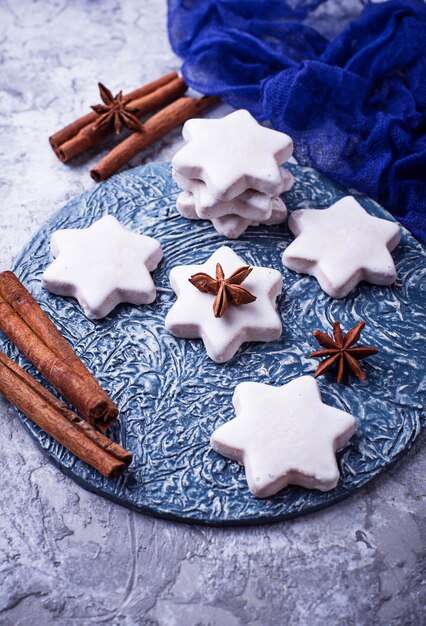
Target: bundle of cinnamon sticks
35,335
163,96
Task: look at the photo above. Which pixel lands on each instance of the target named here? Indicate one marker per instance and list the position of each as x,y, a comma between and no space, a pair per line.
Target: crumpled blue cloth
355,103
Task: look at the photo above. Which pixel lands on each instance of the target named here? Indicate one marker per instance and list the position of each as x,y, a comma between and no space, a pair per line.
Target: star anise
340,352
227,290
115,110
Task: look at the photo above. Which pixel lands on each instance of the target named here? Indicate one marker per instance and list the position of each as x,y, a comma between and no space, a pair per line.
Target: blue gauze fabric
355,104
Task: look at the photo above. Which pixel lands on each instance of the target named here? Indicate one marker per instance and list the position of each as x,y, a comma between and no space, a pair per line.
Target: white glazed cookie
284,435
191,316
102,266
233,154
250,204
341,246
231,226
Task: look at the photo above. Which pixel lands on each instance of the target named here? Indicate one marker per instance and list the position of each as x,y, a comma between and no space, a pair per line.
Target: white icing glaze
191,316
102,266
231,226
233,154
284,435
186,206
341,246
251,204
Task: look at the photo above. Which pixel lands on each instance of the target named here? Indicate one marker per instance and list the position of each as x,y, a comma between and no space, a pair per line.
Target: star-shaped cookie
233,154
231,226
284,435
251,204
102,266
341,246
191,316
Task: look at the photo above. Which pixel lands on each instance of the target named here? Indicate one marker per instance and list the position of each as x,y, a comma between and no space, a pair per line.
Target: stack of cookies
230,172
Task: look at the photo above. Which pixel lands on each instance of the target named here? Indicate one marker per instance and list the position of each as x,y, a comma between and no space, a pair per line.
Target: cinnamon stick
72,129
89,136
15,294
159,98
70,430
155,127
84,140
35,335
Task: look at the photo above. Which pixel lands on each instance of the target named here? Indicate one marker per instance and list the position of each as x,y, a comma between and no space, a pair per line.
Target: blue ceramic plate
172,396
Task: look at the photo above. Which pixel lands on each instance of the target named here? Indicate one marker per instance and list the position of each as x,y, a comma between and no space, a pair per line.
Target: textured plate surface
172,396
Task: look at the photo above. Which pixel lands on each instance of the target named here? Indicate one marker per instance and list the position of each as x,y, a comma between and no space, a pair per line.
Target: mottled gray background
68,557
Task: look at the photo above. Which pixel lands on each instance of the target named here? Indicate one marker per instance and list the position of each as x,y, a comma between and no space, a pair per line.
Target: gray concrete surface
68,557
